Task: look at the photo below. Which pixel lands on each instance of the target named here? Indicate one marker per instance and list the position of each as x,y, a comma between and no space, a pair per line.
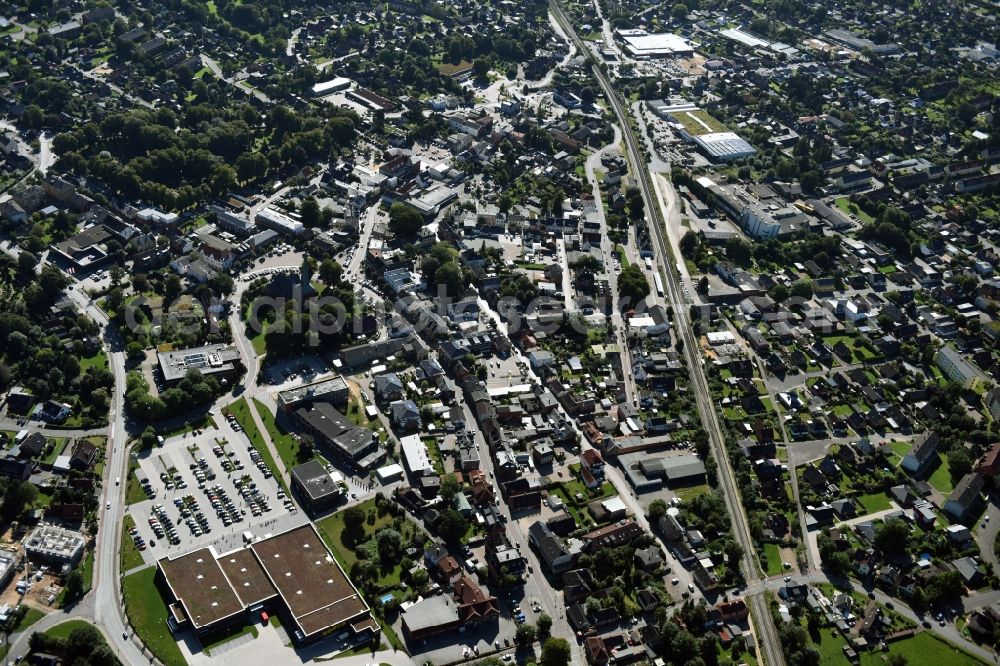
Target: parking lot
205,487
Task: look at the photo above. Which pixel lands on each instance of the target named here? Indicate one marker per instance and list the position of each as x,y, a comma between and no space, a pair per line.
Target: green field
287,446
773,559
148,614
64,629
924,648
57,449
874,503
98,360
131,557
698,122
31,616
133,491
940,478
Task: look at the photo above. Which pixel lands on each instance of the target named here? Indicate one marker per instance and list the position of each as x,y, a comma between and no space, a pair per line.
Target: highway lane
109,613
763,621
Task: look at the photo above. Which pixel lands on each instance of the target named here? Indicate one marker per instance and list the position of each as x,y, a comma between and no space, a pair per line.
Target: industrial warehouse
291,574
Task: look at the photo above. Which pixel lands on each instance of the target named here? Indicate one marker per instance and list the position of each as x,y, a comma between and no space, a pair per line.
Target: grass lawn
698,122
258,341
688,493
64,629
332,531
622,257
830,647
200,422
844,204
60,444
130,555
900,448
241,410
287,446
874,502
773,559
133,491
31,616
940,478
98,360
148,613
923,648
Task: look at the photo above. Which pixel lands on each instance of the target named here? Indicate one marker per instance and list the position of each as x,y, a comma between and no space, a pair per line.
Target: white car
108,505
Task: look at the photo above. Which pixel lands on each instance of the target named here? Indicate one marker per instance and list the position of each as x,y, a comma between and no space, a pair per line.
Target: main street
109,613
767,634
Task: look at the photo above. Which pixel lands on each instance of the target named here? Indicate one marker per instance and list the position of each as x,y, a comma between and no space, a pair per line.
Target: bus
659,284
649,264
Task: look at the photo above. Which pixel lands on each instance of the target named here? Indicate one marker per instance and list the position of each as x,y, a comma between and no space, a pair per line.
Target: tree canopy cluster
175,161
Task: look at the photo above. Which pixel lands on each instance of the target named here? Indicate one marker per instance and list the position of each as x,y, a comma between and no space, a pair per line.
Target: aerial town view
550,333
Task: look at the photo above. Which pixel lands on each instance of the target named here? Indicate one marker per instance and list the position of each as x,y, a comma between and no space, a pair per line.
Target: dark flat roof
247,577
308,578
200,585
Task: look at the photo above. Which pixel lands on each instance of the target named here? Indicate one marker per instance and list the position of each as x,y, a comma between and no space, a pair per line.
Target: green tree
739,251
449,487
405,220
330,272
544,625
678,11
452,526
802,289
891,536
480,68
389,543
959,463
525,635
555,652
309,213
450,277
657,509
689,244
632,285
354,520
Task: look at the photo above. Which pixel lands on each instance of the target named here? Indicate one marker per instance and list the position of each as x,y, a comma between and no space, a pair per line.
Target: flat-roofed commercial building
359,447
332,390
318,489
292,574
642,44
219,361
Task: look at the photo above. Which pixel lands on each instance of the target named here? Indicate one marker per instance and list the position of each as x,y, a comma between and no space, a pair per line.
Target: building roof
314,587
315,481
314,391
967,490
201,586
415,453
430,613
923,449
247,577
207,360
295,566
325,419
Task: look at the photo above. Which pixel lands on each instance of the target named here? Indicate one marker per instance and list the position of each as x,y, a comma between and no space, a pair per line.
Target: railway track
767,634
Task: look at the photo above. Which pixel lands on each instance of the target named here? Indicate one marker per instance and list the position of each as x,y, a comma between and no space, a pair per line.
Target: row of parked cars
233,423
192,515
224,507
255,499
257,460
162,526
